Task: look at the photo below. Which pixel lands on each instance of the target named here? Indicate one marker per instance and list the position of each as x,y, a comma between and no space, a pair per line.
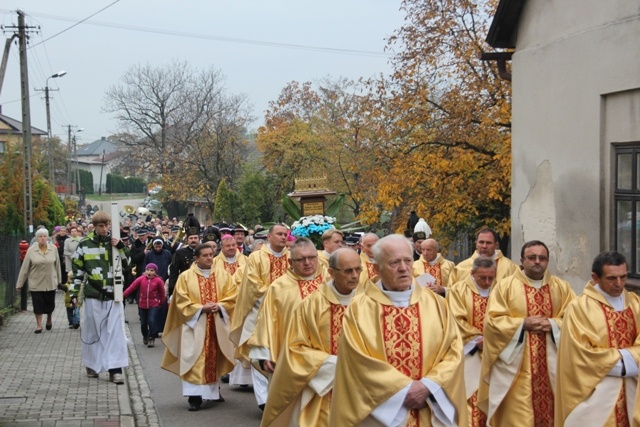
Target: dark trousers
24,292
148,321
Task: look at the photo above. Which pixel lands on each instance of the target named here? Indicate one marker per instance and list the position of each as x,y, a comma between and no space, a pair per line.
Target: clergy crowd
385,332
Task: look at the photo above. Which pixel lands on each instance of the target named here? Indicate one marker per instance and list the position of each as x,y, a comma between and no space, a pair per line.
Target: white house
576,128
99,158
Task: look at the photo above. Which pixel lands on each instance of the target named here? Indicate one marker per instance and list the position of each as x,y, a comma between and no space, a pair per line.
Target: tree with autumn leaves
434,136
47,208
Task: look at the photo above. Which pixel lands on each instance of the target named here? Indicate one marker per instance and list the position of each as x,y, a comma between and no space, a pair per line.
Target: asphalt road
239,408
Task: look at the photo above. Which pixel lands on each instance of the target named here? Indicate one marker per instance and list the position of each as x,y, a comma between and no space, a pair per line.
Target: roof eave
504,27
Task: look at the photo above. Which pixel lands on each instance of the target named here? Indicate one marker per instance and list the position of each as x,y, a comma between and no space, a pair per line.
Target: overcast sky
241,38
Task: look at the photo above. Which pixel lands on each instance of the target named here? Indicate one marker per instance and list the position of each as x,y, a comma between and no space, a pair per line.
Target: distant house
99,158
576,128
11,132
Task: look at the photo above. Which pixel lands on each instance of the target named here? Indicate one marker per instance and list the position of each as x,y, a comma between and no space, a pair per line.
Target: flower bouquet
312,227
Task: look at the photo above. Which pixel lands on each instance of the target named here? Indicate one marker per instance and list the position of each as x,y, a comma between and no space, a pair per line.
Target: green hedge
120,184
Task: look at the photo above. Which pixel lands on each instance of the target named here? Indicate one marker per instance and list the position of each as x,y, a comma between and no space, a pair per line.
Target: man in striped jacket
104,343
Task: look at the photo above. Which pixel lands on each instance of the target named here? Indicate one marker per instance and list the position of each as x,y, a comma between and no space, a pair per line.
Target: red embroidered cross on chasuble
403,344
479,304
231,267
539,304
621,327
277,266
435,271
209,293
337,313
307,287
479,308
372,269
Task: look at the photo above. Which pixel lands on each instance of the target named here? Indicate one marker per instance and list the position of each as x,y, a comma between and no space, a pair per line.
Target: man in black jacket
183,257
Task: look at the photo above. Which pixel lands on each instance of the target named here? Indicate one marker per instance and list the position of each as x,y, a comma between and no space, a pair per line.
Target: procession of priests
384,331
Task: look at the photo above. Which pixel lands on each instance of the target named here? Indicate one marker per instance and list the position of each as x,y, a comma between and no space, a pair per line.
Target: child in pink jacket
152,295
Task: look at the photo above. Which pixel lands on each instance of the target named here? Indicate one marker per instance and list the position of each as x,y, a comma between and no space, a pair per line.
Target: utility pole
68,187
52,171
27,173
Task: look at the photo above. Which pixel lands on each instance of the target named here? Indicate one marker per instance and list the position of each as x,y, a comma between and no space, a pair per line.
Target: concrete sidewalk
43,382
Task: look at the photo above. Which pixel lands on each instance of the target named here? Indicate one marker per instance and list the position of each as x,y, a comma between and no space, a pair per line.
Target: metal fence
9,269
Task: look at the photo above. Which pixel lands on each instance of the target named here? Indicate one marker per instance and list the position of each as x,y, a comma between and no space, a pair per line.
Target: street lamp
46,96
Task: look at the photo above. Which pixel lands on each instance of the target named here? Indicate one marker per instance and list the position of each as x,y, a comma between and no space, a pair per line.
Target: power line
75,24
206,36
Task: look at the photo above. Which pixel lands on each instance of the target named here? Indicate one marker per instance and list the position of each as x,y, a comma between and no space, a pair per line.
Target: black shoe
261,406
76,326
193,407
145,341
48,327
225,379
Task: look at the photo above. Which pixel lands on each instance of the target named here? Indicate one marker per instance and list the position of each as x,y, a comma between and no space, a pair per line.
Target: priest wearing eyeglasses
281,299
521,335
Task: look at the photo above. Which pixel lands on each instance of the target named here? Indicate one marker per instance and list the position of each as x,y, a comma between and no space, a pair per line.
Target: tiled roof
15,127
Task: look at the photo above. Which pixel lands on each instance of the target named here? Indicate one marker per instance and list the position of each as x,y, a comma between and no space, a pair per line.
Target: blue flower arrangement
312,227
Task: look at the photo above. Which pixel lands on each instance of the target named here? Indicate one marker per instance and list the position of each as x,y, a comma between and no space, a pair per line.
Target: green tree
223,210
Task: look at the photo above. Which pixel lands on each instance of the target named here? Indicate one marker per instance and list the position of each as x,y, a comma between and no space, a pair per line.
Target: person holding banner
104,343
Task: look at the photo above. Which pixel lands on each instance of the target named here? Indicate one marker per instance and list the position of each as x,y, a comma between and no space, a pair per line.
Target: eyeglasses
541,258
349,271
305,258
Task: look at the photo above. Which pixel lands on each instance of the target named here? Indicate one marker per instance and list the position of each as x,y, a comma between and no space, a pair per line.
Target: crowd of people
369,330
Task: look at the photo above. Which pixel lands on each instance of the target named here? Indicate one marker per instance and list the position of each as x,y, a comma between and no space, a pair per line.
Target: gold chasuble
505,268
282,298
313,336
468,309
369,273
194,354
261,270
440,270
232,268
518,367
323,259
383,348
592,334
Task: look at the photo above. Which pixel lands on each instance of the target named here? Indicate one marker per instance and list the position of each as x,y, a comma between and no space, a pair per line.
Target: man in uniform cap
183,257
138,249
421,232
211,236
240,233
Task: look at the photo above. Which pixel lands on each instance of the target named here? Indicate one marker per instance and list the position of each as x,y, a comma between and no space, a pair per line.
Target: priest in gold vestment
468,302
487,244
195,334
369,267
599,351
521,333
433,263
400,355
263,268
230,258
300,389
233,261
283,296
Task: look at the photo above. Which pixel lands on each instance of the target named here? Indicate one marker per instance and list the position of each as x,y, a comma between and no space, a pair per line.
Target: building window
627,205
3,147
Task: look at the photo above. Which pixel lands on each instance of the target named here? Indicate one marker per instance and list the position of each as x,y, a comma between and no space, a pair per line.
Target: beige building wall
576,91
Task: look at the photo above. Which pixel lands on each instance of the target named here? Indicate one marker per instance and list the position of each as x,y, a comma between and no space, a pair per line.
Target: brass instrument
150,244
178,237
